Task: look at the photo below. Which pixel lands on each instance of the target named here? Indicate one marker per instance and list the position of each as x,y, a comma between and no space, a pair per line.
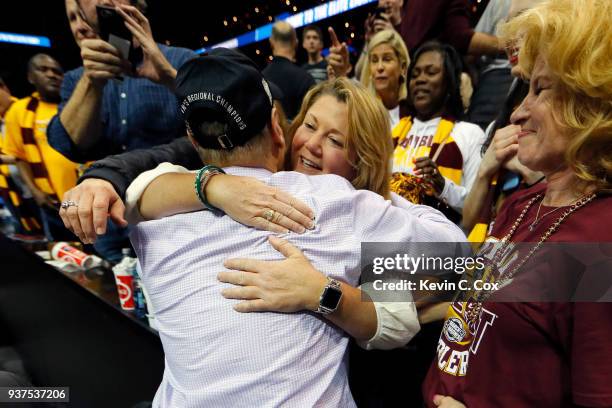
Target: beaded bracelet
203,176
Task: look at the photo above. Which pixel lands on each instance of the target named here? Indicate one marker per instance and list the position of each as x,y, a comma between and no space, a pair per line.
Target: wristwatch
330,297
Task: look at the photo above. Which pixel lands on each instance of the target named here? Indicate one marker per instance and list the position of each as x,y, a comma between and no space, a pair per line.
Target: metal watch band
335,285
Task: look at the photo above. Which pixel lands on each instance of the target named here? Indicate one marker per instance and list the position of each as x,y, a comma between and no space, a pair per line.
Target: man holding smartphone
100,115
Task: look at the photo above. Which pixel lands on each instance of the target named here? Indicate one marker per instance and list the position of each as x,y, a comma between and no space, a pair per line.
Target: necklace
473,314
536,221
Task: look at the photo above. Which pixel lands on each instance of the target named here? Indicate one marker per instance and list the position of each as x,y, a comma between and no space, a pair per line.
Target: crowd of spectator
438,131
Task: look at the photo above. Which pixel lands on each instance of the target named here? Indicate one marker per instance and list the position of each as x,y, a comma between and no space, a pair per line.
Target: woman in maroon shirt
544,354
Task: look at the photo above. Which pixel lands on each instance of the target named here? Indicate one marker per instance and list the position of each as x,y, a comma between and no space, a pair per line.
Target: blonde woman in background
384,73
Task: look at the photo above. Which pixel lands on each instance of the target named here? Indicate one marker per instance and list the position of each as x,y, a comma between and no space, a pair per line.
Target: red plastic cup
125,287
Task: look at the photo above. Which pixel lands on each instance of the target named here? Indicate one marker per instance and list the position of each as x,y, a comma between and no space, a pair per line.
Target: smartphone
113,30
110,22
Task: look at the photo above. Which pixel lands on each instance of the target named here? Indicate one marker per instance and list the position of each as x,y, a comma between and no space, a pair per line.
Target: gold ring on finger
269,214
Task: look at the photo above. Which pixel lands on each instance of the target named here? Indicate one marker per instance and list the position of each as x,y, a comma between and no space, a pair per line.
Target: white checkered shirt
217,357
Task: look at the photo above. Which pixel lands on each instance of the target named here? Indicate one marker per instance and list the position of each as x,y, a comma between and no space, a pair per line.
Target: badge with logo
453,330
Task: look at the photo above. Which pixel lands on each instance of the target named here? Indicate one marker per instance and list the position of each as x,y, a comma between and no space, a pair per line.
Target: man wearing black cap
204,102
216,356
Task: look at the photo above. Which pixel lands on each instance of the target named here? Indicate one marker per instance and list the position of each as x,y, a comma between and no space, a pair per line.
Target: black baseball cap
226,86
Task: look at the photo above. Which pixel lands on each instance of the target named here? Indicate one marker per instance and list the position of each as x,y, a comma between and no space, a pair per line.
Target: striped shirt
26,139
218,357
10,192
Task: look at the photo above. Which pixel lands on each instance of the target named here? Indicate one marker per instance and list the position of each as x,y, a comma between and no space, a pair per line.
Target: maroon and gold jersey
530,354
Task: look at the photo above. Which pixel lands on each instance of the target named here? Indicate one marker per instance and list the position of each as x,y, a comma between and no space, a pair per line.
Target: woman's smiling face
427,84
319,143
386,69
542,141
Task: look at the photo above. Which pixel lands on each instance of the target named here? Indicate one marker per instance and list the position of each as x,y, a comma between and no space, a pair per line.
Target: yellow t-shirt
4,169
61,171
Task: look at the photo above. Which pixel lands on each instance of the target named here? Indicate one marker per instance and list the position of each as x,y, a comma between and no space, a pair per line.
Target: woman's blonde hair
396,42
574,37
369,131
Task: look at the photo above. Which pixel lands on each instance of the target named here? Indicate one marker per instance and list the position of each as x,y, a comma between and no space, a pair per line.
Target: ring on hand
69,203
269,214
434,171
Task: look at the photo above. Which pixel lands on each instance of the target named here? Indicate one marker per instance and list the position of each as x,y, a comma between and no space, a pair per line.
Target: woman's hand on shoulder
253,203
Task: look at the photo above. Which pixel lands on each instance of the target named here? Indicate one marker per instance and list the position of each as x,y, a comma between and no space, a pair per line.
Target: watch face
331,298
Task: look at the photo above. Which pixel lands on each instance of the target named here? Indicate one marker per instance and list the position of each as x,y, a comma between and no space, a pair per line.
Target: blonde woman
526,354
384,73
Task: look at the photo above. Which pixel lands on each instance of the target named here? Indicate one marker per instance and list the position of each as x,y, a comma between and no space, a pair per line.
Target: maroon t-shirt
531,354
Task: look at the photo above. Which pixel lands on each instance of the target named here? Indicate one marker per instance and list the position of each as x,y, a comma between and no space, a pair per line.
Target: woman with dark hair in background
436,155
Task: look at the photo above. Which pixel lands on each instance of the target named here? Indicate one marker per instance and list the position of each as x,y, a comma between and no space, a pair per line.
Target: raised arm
245,199
504,141
78,131
101,62
338,58
80,116
484,44
501,153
